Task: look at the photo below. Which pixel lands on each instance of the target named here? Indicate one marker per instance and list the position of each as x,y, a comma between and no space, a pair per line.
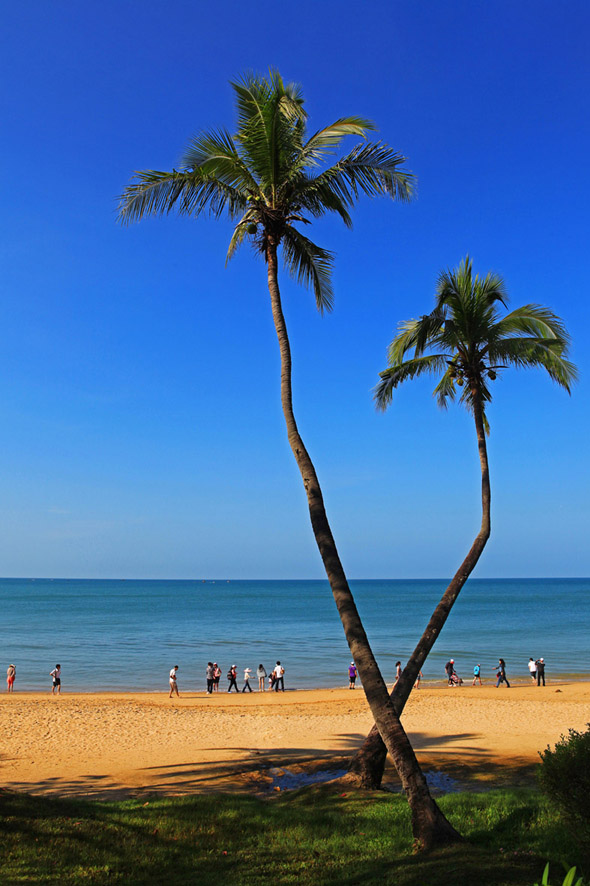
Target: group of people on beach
276,678
353,674
536,670
55,675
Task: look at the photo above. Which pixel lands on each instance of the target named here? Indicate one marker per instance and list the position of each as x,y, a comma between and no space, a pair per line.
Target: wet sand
114,745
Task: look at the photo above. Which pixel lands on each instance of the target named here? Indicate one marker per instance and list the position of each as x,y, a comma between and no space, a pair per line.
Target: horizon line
320,578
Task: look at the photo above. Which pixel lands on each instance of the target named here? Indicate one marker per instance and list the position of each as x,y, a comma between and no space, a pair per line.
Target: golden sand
109,745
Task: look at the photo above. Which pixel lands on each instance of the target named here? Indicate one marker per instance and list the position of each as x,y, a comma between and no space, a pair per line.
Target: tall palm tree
271,178
466,341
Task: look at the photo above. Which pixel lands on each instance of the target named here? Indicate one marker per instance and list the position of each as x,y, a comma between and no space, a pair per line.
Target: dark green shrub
565,777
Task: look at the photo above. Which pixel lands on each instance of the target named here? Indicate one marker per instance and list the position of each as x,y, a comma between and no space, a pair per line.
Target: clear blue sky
141,431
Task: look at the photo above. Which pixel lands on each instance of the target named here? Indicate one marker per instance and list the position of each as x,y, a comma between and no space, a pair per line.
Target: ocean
126,635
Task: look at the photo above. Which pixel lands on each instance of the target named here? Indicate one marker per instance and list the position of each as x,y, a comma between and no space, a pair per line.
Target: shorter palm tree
466,341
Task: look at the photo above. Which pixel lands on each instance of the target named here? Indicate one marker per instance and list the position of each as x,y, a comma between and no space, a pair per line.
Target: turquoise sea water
127,634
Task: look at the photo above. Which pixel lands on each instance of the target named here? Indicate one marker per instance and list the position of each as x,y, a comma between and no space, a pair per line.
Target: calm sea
126,635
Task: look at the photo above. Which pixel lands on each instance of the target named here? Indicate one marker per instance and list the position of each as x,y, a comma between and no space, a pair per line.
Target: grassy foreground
314,836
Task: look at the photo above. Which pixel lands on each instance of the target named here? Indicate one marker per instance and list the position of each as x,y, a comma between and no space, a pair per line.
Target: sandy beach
115,745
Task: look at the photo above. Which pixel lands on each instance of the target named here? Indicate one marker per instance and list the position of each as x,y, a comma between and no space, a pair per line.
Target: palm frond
215,153
310,265
188,193
241,231
373,169
416,334
534,320
394,376
527,353
325,140
271,118
317,198
445,389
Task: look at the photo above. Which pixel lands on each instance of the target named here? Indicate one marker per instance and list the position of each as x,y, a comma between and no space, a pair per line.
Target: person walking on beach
450,669
173,682
247,675
210,677
279,677
216,676
533,669
476,674
398,671
231,676
418,678
351,675
261,674
10,678
540,671
501,673
56,675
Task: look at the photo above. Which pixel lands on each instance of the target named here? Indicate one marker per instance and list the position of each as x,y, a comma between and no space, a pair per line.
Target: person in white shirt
279,677
173,682
56,674
247,675
533,669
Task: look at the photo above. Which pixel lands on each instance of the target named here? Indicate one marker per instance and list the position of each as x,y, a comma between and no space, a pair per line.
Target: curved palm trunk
368,763
429,825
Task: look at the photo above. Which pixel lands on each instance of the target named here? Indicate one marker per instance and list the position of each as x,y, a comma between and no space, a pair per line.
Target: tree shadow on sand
248,770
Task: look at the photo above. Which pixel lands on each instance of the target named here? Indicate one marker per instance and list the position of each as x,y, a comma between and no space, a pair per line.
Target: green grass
315,836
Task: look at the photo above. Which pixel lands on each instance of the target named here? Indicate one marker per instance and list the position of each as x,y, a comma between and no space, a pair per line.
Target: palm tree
269,178
466,340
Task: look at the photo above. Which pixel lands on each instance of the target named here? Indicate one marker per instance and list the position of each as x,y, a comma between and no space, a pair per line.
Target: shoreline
119,744
431,685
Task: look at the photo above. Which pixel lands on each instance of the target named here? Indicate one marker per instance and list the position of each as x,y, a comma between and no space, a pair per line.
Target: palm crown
469,342
270,176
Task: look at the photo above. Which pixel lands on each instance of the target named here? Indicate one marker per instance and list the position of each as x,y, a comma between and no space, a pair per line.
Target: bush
565,777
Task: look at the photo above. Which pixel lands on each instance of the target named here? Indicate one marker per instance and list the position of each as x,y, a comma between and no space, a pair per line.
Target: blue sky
141,429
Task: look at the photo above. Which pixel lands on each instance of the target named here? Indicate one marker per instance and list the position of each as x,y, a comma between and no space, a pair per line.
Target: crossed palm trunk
429,826
368,764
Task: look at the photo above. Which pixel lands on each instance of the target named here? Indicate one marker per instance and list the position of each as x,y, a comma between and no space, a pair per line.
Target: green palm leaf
395,375
310,265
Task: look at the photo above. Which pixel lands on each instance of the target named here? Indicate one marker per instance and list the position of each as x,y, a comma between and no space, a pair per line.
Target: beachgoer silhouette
533,669
247,675
173,682
279,677
231,676
210,677
501,673
450,669
56,683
